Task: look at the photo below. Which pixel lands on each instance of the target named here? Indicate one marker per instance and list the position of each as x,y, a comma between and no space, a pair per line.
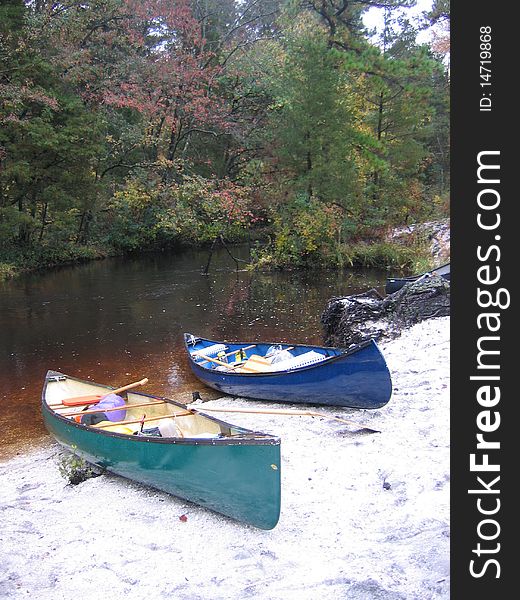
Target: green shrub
7,270
193,211
382,255
76,469
387,255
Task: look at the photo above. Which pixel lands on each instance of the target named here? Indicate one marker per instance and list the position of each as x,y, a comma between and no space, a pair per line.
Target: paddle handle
290,412
260,411
130,386
218,362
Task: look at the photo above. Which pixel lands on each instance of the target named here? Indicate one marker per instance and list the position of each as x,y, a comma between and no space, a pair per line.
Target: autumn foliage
129,125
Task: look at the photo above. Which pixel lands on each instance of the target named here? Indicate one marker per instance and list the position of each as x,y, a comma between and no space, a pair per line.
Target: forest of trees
134,125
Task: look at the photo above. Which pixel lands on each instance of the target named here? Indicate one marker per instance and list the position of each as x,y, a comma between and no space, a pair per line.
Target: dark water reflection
117,321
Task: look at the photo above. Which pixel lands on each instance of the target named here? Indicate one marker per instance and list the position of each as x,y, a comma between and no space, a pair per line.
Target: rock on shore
354,319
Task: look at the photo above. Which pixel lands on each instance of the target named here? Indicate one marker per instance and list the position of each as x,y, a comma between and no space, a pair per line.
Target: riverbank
419,247
364,516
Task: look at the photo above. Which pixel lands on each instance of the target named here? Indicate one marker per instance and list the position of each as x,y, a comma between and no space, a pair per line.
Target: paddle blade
95,398
82,400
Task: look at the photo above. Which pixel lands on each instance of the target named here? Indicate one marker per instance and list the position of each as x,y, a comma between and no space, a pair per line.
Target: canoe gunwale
322,363
249,438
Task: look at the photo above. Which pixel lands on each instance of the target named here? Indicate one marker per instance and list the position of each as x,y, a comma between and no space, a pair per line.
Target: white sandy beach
364,516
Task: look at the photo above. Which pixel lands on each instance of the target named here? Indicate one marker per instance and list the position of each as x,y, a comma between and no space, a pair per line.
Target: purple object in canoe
112,401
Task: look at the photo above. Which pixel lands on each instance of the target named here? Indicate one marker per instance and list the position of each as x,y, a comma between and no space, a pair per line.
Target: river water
116,321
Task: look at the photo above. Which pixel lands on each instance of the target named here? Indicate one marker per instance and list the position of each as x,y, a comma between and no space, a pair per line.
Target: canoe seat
303,360
255,364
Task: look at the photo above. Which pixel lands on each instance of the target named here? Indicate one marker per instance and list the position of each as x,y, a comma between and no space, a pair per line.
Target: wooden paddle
95,398
229,366
116,408
303,413
214,360
197,353
192,411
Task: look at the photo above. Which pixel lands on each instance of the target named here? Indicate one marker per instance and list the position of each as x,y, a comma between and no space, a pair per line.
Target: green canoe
166,445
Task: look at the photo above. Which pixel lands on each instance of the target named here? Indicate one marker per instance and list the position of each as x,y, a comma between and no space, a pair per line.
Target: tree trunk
309,165
379,132
44,222
83,229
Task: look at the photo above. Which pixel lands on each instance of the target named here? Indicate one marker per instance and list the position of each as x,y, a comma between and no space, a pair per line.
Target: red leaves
146,55
168,76
183,518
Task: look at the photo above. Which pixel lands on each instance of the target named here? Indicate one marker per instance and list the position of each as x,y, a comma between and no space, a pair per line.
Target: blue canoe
357,377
